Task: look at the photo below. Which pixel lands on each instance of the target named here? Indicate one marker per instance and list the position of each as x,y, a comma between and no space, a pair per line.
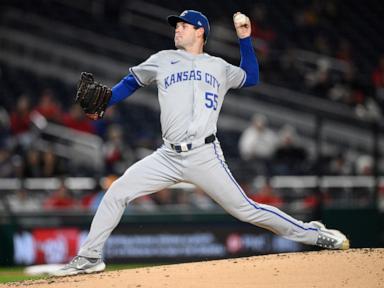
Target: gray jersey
191,90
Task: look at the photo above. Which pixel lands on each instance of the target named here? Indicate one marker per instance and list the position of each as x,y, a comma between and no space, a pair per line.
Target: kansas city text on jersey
191,75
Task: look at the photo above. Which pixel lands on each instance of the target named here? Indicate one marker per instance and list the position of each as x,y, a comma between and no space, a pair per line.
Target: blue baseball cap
192,17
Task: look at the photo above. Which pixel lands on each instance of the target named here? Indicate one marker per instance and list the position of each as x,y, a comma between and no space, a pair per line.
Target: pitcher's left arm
248,60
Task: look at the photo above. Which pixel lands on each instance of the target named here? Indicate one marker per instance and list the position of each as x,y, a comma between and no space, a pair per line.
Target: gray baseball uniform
191,90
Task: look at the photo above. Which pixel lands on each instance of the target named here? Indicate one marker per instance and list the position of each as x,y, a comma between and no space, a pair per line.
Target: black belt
207,140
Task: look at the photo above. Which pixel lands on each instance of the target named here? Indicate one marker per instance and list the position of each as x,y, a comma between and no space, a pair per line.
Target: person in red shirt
77,120
21,117
60,199
267,195
48,106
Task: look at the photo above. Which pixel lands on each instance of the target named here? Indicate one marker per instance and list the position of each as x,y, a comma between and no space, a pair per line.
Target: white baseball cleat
80,265
329,238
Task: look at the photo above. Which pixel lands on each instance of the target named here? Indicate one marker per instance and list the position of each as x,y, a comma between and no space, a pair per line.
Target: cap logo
198,22
184,13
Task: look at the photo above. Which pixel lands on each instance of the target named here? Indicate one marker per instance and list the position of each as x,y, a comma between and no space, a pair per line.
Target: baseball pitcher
191,88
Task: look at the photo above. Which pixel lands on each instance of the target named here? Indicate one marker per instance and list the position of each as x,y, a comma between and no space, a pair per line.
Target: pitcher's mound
351,268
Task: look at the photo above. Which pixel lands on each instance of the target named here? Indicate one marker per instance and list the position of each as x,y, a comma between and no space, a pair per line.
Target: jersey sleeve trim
243,80
136,77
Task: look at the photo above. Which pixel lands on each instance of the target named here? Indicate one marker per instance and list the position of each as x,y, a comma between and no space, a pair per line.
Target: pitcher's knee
121,192
241,209
242,215
115,192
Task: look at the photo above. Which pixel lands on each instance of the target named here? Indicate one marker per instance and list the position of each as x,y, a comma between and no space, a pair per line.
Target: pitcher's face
186,35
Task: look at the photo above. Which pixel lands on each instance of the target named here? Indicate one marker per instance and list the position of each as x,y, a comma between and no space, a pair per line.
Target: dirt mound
351,268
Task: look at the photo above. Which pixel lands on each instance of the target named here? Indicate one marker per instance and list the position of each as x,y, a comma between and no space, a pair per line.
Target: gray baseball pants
203,166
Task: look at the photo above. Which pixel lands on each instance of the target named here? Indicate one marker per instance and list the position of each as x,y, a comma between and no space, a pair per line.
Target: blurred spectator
5,131
267,195
111,116
6,165
319,82
11,163
291,75
60,199
378,81
381,198
88,198
145,203
182,198
311,201
290,157
21,115
257,144
51,164
18,165
350,91
369,110
339,165
260,26
32,163
262,31
42,164
77,120
20,120
344,50
48,106
22,201
118,156
163,197
201,200
92,201
364,165
306,17
342,90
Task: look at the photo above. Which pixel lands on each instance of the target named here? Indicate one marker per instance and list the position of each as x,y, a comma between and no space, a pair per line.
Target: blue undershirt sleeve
248,62
123,89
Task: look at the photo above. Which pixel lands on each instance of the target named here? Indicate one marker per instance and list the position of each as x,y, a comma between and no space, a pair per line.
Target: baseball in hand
240,19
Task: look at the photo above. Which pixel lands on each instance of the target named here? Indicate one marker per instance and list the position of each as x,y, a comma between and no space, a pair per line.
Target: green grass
12,274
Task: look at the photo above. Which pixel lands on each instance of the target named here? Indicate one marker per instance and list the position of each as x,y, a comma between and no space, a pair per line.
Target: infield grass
12,274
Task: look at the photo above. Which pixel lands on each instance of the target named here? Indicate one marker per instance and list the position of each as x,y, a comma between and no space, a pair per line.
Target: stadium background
322,80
